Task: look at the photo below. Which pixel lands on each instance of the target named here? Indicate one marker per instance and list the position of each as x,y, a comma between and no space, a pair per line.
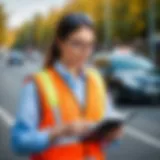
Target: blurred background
127,55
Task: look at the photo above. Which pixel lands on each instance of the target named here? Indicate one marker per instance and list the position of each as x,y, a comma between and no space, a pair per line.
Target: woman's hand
77,128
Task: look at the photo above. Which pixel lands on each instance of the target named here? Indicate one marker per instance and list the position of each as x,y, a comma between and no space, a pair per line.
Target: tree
129,20
3,27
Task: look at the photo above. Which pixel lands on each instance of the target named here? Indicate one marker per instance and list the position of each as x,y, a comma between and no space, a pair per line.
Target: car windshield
132,63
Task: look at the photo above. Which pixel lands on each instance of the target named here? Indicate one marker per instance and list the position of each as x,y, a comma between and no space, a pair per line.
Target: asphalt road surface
142,134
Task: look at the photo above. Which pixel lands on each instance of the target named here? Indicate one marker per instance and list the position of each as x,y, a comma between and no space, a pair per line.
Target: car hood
141,76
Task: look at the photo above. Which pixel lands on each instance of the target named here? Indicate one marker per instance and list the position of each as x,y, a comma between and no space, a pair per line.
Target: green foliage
129,19
3,20
157,13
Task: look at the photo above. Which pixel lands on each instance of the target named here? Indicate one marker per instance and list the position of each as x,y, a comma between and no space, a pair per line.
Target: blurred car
132,78
16,58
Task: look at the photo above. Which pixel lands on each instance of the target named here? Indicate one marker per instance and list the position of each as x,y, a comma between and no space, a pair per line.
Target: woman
60,103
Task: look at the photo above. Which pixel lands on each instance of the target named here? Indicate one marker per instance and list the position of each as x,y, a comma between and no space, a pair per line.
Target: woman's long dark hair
65,27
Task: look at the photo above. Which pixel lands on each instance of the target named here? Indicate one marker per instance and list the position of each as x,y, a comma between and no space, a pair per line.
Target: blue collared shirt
26,138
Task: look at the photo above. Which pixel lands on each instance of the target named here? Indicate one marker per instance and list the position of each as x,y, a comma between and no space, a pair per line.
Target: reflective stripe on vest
50,90
50,94
101,84
92,72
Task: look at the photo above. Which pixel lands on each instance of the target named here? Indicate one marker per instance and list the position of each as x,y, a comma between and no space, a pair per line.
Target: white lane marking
147,139
133,132
6,117
137,134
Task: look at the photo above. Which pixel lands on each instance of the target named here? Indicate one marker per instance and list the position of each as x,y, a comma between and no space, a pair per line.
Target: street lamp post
107,23
151,24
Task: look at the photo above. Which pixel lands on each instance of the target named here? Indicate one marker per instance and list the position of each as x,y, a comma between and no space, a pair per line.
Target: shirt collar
65,73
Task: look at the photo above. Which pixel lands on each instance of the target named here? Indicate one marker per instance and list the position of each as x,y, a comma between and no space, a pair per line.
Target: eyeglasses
81,45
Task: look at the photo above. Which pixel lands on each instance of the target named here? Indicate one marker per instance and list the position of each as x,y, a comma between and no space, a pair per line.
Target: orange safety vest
56,97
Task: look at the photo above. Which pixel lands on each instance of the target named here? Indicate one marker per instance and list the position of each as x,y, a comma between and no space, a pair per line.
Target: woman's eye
78,43
75,41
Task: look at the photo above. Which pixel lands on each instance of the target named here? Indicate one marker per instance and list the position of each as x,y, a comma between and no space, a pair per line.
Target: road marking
6,117
137,134
133,132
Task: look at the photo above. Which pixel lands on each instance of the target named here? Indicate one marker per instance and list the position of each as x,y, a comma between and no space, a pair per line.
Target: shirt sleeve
25,137
109,105
110,110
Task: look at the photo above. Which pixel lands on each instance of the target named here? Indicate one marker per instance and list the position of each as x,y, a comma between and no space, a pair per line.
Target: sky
22,10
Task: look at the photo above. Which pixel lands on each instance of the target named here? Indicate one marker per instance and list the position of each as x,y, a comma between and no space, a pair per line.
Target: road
142,134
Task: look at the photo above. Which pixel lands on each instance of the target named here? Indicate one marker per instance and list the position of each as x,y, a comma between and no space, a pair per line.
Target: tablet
99,130
102,128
